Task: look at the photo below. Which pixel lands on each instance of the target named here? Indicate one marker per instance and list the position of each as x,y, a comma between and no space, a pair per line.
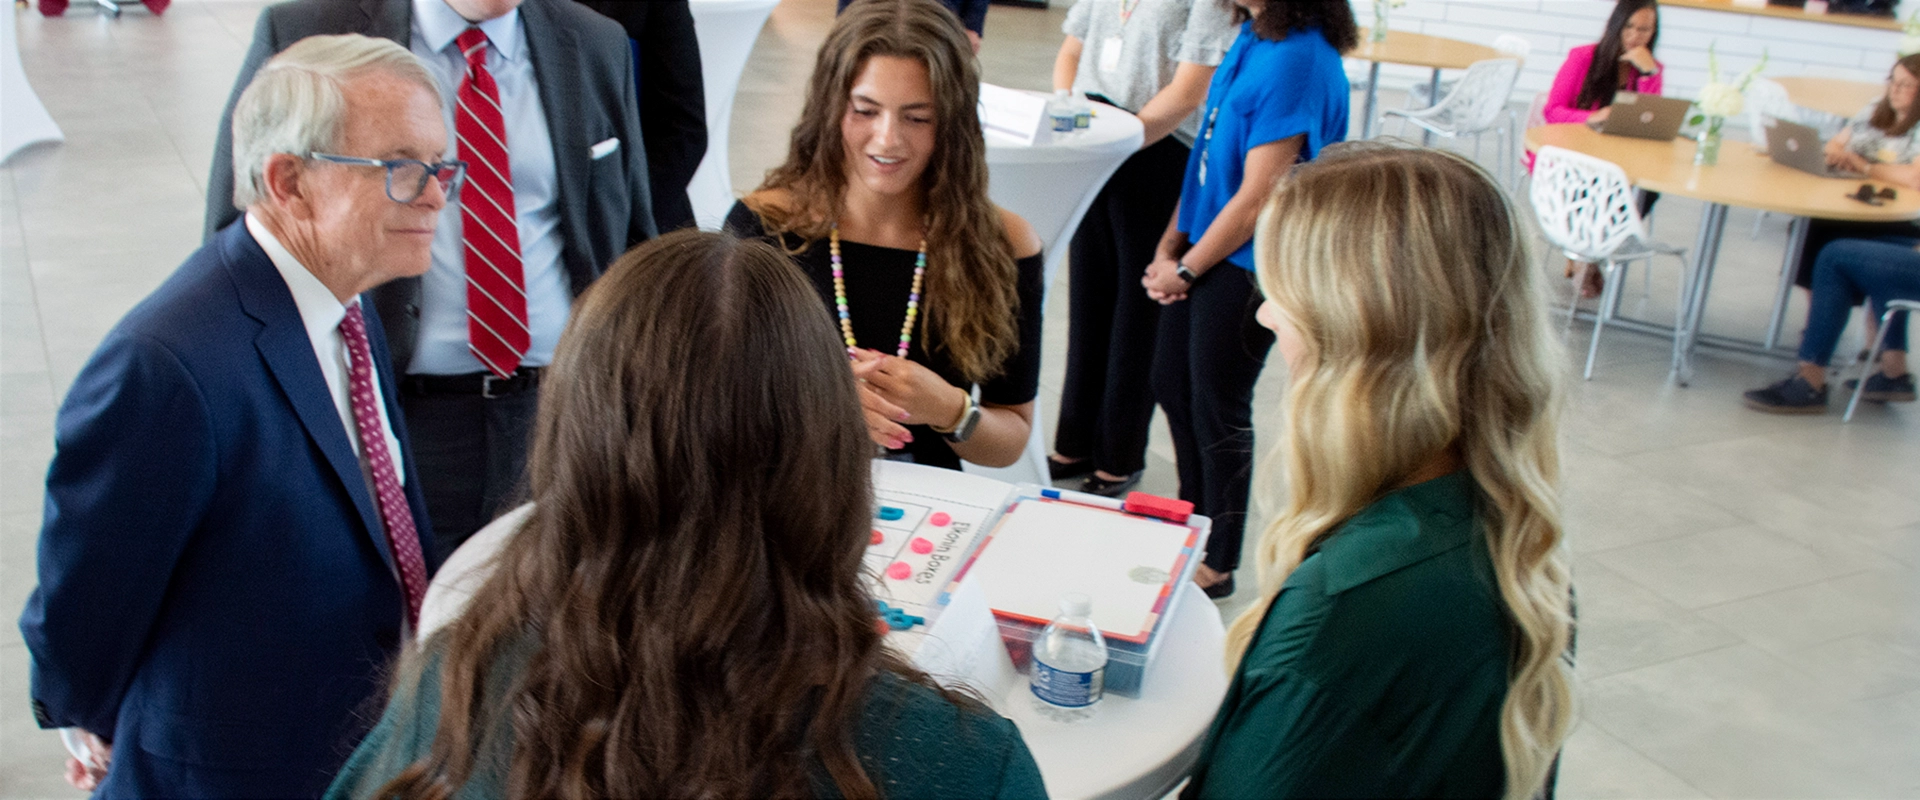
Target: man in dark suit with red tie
540,98
233,549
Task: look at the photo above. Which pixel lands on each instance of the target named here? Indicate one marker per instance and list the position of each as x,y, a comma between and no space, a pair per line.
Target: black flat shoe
1106,488
1058,470
1220,590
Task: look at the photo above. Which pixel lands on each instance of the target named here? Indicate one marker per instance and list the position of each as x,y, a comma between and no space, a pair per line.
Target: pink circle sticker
940,519
899,571
878,537
921,546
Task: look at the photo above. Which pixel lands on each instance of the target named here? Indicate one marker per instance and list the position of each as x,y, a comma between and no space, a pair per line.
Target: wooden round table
1742,178
1413,49
1841,98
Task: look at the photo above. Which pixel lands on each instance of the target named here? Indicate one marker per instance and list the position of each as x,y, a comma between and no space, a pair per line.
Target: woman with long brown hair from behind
680,612
882,203
1415,611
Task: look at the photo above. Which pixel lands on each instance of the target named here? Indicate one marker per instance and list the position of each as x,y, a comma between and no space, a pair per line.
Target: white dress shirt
321,313
442,345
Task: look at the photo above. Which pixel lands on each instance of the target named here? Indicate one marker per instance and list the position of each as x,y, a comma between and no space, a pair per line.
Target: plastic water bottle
1069,663
1082,112
1060,113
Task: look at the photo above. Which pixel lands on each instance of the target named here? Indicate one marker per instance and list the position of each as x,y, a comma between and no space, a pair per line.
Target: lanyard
1231,73
1126,11
1206,138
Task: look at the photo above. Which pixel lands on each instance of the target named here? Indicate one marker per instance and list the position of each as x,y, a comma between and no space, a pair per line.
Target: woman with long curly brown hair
882,202
680,612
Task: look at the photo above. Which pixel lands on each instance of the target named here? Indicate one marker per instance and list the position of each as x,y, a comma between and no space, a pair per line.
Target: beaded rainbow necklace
840,294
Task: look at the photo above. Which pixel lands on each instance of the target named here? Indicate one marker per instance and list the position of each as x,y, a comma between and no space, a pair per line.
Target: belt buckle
486,385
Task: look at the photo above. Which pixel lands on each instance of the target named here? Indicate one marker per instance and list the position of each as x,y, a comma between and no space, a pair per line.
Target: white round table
1134,748
726,30
1051,183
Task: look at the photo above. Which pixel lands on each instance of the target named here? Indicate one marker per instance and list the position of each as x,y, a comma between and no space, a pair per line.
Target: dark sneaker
1058,470
1219,591
1106,488
1791,396
1882,389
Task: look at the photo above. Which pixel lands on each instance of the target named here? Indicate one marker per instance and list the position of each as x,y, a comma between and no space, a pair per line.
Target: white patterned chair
1476,106
1586,208
1873,355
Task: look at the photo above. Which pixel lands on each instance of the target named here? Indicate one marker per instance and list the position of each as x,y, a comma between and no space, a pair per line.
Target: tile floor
1750,617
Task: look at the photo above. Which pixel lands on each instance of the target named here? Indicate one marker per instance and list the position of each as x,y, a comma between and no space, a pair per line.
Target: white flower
1720,100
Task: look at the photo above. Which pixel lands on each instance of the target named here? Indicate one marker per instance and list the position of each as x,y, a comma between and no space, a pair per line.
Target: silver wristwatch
1180,271
969,420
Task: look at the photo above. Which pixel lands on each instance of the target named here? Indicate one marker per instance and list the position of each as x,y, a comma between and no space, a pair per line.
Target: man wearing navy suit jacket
232,547
572,196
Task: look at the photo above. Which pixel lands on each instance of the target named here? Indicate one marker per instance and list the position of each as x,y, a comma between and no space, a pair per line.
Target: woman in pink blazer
1583,90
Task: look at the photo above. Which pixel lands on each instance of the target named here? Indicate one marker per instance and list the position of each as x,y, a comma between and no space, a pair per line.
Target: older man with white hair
232,548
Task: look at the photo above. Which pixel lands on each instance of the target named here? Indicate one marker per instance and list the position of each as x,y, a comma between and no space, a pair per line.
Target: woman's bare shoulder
1020,234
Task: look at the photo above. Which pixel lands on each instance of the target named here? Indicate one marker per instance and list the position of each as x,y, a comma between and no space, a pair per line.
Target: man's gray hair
296,105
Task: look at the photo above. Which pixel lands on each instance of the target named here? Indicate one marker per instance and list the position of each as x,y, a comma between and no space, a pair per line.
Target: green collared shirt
1380,669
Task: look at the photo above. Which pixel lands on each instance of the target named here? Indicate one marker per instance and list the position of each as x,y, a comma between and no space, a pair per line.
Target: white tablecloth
23,120
1051,182
1135,748
727,30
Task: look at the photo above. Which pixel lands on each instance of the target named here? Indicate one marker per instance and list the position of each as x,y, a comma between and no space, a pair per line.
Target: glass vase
1706,152
1378,33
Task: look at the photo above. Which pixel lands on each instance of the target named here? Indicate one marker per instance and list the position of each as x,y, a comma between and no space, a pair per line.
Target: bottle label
1067,689
1063,123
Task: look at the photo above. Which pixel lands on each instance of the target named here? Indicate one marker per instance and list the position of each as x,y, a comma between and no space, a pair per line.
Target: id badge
1110,53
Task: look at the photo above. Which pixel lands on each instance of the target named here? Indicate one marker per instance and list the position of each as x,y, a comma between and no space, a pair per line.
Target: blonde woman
1413,630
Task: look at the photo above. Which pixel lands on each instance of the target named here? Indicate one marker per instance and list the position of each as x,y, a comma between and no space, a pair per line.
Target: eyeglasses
406,177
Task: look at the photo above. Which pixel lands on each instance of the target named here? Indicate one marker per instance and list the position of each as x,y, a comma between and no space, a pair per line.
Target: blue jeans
1848,270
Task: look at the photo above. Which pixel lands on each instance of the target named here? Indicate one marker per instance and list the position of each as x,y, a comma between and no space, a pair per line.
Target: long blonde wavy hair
1422,329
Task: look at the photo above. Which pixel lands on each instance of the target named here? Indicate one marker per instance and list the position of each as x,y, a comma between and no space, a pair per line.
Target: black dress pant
470,452
1106,403
1209,355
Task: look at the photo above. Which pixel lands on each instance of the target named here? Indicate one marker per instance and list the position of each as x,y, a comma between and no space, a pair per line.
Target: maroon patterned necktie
496,285
403,539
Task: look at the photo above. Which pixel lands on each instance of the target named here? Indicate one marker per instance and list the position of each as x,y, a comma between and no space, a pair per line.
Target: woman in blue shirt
1278,97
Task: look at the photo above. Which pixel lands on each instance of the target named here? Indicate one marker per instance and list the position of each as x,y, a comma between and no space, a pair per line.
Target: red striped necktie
496,287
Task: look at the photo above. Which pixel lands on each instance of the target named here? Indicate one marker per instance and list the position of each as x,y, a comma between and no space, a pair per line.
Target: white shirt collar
439,25
320,311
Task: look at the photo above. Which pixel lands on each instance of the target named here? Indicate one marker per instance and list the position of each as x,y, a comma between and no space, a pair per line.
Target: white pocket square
604,149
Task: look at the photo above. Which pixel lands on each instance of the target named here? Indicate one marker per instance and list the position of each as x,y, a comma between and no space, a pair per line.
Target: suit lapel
558,70
288,353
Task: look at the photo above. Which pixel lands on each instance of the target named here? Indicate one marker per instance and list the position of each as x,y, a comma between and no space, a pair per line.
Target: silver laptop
1644,116
1791,144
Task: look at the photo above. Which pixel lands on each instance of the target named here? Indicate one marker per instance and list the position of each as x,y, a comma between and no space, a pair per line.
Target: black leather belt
485,384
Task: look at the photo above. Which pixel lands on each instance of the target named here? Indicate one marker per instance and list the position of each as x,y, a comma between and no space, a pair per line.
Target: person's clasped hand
1163,283
1642,59
896,392
87,775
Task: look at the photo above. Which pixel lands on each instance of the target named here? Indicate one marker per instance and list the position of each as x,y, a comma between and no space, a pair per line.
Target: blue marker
889,513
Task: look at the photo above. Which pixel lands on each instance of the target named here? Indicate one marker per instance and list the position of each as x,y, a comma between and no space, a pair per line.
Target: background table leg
1373,100
1433,98
1796,244
1713,223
